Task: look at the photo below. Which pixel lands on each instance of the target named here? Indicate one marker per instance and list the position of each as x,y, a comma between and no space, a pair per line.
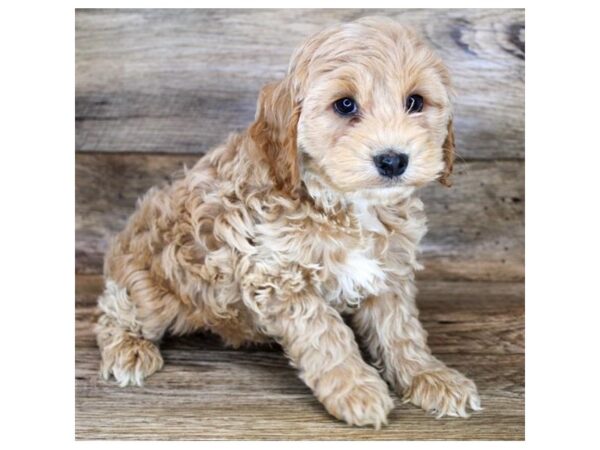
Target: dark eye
414,104
345,106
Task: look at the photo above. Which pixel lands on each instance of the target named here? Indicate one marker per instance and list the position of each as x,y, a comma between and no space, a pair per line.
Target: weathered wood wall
157,88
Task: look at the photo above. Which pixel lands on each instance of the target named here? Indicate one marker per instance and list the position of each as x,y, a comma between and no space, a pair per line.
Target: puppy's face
371,106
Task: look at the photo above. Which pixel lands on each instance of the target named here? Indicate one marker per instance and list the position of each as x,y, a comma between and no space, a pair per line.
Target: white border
562,92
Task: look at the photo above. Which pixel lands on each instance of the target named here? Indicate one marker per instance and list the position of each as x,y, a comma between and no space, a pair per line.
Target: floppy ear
274,132
448,148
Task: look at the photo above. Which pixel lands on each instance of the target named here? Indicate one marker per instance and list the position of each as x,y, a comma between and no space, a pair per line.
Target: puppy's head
365,108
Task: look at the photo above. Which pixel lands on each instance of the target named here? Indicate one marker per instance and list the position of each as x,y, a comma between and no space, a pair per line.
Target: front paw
130,361
363,401
443,392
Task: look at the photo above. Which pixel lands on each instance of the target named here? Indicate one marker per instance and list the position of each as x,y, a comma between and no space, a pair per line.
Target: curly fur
288,225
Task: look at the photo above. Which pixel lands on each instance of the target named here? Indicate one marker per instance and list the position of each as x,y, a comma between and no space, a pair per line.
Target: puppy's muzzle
391,164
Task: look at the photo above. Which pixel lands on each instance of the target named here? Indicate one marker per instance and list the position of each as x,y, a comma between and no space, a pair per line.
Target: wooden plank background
476,227
180,80
156,89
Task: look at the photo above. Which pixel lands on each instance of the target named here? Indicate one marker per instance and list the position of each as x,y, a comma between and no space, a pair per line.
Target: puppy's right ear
449,152
274,132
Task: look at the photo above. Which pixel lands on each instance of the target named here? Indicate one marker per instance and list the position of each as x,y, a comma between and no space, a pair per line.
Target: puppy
308,215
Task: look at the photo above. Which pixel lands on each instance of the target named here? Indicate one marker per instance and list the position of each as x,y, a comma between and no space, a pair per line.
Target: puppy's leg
394,336
127,335
323,348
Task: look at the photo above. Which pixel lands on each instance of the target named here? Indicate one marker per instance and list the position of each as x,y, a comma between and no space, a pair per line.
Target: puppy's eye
345,106
414,104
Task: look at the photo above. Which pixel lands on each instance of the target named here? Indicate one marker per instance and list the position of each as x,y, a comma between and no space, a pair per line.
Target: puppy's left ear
274,132
448,149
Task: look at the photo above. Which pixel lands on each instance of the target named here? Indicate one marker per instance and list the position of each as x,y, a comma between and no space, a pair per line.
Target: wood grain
207,391
476,228
181,80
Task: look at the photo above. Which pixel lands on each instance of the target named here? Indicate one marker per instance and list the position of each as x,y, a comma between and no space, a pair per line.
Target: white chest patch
360,275
356,278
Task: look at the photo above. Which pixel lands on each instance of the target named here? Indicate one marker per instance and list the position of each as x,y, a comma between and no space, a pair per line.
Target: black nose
391,164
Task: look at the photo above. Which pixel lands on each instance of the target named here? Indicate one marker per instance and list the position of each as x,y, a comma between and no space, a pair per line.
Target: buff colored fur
288,225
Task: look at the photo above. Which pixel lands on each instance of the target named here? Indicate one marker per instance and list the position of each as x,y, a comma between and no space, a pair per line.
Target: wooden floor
207,391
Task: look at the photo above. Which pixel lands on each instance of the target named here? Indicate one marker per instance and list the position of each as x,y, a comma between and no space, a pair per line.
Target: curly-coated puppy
309,214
